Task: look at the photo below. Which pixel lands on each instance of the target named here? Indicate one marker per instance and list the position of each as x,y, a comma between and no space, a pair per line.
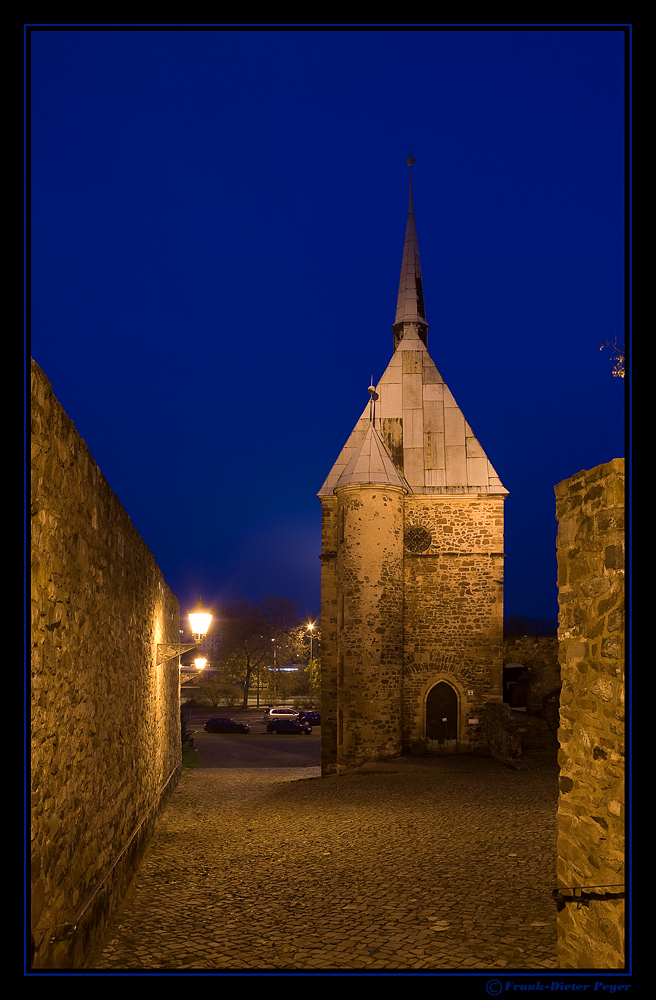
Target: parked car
313,718
280,712
226,726
288,726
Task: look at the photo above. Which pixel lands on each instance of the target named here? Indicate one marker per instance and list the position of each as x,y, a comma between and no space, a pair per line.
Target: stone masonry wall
590,512
105,734
329,636
539,654
453,610
369,624
417,583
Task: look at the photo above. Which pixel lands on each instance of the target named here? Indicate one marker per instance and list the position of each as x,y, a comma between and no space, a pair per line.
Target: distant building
412,563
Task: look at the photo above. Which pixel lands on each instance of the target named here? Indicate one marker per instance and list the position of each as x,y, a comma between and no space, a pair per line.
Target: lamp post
310,627
274,673
257,696
199,620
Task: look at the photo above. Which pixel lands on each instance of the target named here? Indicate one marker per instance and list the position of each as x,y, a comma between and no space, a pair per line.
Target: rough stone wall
540,655
412,595
105,734
369,623
453,611
590,512
329,635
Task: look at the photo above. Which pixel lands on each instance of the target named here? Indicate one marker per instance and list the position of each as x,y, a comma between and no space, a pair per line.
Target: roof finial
373,396
411,207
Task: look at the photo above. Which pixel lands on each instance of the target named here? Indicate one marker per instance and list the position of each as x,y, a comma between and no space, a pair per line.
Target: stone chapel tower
412,563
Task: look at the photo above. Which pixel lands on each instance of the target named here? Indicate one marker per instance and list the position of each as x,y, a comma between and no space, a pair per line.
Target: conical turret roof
370,463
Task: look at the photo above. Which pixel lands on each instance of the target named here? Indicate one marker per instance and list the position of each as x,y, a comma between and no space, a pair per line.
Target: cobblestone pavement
416,864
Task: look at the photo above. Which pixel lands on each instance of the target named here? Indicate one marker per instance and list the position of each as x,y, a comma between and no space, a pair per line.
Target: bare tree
249,633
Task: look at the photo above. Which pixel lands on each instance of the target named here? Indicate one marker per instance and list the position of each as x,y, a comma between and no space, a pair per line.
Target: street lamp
310,626
310,629
200,663
199,619
274,676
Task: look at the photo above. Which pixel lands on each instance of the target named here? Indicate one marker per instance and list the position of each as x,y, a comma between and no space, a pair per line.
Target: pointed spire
410,302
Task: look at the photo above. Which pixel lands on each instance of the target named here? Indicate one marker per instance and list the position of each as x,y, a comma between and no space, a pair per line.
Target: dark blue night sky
216,228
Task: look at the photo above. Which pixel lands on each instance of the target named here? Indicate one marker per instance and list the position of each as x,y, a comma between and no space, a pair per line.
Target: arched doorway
442,715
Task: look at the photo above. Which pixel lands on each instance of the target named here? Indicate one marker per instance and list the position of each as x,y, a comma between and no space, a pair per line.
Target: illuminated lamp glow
200,619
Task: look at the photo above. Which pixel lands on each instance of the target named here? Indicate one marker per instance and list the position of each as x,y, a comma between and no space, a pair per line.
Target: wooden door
442,713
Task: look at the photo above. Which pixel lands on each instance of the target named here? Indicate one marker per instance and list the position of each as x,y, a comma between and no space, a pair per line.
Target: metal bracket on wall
167,650
583,895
